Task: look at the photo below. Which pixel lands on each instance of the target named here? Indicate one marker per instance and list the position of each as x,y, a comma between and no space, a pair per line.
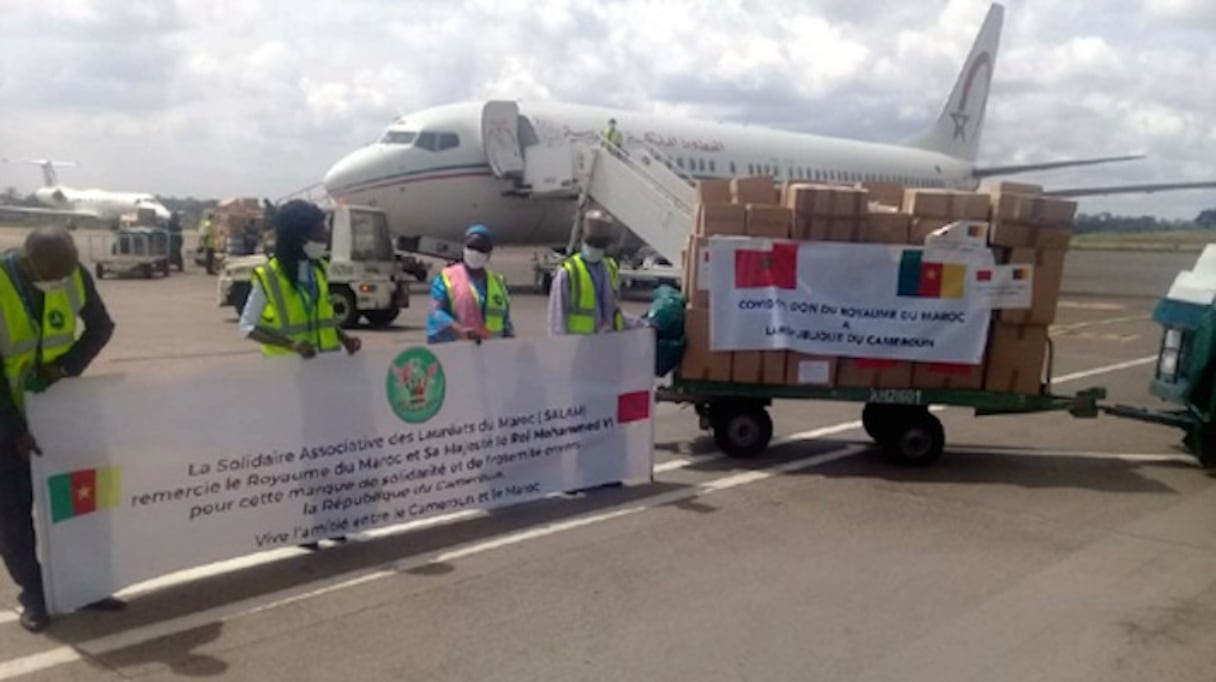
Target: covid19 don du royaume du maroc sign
147,475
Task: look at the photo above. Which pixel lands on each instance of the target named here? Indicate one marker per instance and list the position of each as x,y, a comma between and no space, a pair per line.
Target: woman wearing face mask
587,287
468,301
288,309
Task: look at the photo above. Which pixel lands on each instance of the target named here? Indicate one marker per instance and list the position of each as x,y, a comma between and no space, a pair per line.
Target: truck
366,279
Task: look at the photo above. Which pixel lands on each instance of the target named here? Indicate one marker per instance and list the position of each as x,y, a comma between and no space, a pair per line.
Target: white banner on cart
147,475
877,301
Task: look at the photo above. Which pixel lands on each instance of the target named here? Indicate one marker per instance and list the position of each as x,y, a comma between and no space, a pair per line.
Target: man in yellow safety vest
587,286
44,293
288,310
469,301
207,240
612,138
586,290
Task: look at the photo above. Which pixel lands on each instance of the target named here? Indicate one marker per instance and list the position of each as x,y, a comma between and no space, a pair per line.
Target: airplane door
500,138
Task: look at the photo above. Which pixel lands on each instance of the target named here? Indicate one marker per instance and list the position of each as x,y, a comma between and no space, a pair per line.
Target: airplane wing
6,208
1130,189
1051,165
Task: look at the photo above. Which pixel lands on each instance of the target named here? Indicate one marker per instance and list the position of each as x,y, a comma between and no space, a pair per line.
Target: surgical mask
50,286
592,254
475,259
314,250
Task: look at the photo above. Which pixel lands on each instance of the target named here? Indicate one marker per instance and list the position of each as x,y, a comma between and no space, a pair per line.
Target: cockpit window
398,137
437,142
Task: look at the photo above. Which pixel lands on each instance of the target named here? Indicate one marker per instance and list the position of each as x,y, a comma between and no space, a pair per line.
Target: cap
479,230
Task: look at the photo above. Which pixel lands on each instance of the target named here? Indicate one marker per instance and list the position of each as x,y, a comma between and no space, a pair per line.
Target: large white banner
928,304
147,475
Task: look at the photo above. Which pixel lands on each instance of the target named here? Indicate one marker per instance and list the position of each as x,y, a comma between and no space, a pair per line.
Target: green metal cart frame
898,420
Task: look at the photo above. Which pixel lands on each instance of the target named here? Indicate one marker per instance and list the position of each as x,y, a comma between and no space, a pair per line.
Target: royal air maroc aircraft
98,204
434,171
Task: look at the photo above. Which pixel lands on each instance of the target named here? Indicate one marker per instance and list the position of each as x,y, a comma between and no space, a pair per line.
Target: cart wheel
343,302
146,271
1204,444
164,268
917,439
742,430
382,319
99,271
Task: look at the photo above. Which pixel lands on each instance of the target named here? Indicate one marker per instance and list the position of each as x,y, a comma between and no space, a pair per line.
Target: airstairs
635,183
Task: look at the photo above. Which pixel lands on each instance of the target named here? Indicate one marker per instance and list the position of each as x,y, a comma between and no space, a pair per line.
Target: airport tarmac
1041,547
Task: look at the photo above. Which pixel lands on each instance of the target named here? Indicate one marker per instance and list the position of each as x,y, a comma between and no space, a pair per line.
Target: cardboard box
721,219
696,259
809,370
1033,210
826,212
1045,295
747,367
714,192
862,373
942,375
699,362
886,228
755,190
1014,235
773,222
885,193
1015,358
947,205
773,367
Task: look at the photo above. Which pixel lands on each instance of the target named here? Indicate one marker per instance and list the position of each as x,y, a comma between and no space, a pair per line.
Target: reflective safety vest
581,304
24,342
291,312
613,136
208,235
466,304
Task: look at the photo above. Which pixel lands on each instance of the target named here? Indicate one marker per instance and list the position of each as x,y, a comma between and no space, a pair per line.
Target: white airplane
102,205
431,171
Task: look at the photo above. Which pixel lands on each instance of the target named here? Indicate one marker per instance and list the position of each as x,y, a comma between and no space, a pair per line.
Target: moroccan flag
983,275
778,267
632,407
84,492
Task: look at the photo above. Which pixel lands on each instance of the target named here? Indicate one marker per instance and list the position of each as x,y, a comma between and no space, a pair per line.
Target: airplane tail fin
957,130
49,177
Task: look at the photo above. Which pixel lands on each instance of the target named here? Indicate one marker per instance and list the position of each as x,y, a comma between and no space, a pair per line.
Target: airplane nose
355,169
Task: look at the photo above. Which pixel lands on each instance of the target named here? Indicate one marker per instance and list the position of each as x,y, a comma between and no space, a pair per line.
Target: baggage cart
134,250
899,420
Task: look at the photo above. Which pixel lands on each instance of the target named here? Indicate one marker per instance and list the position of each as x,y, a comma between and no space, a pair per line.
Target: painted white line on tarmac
1065,328
8,616
1086,305
1132,457
25,665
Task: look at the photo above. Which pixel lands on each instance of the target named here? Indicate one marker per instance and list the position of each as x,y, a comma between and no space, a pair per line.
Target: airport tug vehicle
1185,372
365,277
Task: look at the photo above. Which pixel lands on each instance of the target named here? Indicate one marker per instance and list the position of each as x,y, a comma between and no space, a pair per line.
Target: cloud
259,97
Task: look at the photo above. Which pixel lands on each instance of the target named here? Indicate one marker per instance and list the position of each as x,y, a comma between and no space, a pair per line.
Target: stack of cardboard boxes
1031,229
1026,227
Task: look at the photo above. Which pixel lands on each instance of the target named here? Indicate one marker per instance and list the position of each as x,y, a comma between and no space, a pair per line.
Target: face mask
592,254
475,259
51,285
314,250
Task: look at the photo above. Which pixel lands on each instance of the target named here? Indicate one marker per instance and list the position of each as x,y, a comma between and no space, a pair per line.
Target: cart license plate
895,396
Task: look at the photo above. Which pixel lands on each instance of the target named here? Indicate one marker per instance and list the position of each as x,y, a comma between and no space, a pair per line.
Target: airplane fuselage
439,185
106,205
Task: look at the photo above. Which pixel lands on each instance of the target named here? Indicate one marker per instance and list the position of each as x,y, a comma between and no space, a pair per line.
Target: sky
259,97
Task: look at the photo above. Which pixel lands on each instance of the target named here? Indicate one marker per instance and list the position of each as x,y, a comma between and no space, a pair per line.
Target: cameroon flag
84,492
918,279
